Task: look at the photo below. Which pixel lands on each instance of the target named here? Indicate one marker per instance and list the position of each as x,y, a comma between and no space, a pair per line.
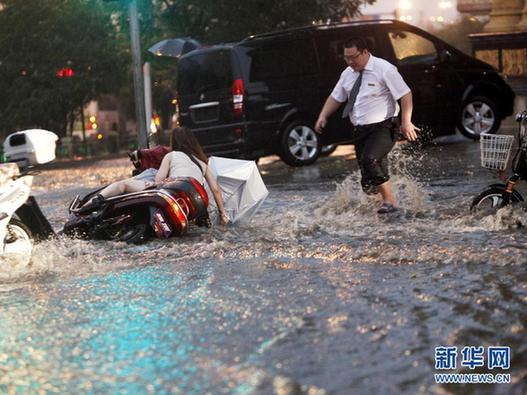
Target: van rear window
282,59
205,72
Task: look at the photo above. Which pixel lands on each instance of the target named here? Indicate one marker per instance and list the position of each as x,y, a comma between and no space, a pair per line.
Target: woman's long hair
184,140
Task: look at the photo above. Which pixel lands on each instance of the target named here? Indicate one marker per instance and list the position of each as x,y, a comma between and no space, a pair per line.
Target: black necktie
353,96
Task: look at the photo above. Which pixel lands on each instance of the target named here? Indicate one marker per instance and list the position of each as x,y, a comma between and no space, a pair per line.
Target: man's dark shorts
373,143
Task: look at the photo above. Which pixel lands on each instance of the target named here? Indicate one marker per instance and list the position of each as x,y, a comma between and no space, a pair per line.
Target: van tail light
237,97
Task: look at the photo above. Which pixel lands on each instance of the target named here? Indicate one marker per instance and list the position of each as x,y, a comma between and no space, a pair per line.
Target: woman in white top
186,160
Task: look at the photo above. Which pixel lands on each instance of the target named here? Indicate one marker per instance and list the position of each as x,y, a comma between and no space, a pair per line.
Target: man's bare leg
386,192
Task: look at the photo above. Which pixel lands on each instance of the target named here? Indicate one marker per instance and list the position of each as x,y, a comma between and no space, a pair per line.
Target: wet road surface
317,295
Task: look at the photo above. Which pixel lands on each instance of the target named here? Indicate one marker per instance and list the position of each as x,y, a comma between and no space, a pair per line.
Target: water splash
292,222
506,218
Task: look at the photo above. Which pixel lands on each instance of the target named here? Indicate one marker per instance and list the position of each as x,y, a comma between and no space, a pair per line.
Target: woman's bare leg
121,187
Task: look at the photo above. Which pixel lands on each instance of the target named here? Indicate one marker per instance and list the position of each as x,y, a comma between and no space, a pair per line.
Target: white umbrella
241,185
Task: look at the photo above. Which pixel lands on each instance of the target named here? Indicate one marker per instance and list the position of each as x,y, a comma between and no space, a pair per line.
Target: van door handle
204,105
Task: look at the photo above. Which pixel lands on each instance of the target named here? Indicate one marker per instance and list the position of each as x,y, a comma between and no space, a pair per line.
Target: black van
263,94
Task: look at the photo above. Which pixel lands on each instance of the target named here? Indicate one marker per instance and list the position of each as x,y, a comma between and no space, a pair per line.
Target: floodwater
317,295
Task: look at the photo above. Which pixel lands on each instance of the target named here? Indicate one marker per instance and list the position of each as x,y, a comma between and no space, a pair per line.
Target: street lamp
405,5
445,4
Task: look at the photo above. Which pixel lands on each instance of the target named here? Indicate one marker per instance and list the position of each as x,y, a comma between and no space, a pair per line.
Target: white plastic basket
495,150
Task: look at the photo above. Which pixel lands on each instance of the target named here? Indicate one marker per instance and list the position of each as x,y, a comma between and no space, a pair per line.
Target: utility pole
147,79
139,87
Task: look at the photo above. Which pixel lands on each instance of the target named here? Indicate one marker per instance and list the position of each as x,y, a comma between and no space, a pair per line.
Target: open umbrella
242,186
174,47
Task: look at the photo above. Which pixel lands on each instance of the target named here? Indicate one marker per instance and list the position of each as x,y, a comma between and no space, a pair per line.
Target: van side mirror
445,55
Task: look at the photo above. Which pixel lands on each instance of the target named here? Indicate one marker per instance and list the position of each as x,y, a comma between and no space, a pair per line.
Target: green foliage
40,37
227,20
37,39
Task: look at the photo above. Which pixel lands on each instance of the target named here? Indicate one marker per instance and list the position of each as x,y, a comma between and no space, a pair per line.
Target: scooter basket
495,150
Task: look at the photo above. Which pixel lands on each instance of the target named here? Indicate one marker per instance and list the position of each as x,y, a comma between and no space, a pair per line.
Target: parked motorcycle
21,220
163,211
495,153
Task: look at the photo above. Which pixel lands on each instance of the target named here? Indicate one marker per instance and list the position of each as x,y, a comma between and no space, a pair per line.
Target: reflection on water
317,295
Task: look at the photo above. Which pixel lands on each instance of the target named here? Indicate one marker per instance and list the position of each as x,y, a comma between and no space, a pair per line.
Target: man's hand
321,124
330,106
410,131
407,127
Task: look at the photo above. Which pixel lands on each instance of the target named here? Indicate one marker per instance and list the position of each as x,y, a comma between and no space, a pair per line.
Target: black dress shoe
387,208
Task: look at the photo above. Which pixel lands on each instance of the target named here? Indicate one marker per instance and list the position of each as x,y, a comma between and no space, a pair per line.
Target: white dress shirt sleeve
395,83
339,93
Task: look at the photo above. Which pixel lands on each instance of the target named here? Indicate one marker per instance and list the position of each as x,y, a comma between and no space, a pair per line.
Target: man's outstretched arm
408,128
330,106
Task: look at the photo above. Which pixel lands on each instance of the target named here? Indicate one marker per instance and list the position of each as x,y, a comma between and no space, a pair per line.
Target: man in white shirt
372,86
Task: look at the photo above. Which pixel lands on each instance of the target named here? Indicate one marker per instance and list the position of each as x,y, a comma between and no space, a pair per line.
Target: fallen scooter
164,211
168,209
21,220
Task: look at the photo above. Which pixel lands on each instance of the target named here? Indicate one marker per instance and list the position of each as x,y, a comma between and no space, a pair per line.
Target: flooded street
317,295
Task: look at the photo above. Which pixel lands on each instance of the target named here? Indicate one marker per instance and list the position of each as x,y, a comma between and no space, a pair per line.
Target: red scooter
164,211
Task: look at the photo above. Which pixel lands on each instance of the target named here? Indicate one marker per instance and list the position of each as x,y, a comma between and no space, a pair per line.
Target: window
205,72
282,59
331,49
410,48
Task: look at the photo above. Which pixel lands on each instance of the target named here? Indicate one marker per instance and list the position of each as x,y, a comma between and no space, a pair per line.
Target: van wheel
479,115
299,145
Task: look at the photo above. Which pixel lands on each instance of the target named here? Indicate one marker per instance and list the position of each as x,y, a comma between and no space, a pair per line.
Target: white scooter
21,220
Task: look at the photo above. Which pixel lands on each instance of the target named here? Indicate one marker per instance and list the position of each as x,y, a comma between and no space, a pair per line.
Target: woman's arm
164,168
218,196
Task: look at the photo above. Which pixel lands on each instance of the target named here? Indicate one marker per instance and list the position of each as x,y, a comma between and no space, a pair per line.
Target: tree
226,20
38,38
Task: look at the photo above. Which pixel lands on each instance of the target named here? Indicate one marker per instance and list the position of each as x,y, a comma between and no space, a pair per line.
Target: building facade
503,43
